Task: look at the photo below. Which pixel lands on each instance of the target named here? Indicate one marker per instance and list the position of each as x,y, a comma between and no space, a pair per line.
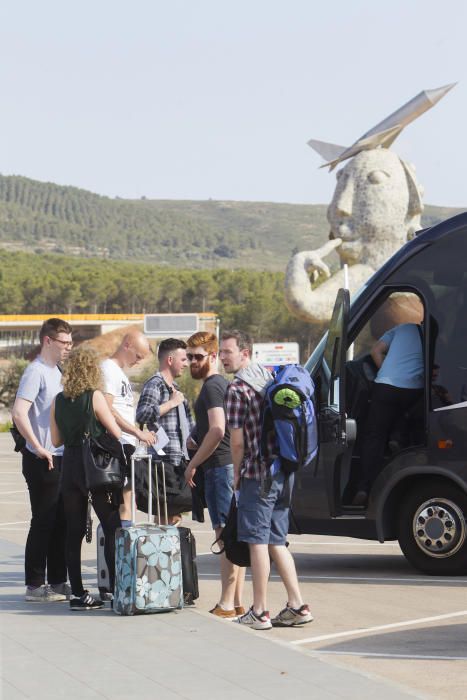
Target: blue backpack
289,411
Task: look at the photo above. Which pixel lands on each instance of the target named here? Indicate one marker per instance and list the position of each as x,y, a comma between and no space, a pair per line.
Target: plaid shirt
243,409
156,392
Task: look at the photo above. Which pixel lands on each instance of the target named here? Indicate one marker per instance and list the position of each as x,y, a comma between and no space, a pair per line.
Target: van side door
333,443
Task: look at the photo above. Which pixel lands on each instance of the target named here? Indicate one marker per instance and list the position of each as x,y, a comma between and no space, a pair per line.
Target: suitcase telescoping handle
148,457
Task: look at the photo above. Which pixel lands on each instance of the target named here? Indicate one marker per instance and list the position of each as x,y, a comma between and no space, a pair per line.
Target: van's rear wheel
432,529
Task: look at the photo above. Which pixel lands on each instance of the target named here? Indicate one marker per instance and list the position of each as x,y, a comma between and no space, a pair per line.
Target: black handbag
103,459
237,552
104,462
177,490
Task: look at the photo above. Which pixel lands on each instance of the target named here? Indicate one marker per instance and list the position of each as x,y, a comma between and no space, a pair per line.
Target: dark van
419,495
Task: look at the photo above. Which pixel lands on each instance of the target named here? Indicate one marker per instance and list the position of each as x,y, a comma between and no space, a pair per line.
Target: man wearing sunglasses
214,457
45,545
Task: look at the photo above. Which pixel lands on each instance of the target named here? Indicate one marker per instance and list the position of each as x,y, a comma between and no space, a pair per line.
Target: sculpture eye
377,177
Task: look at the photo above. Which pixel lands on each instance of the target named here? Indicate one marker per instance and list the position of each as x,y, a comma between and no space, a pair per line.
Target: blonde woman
79,407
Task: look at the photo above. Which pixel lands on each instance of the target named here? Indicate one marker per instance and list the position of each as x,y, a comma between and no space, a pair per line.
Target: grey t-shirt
40,384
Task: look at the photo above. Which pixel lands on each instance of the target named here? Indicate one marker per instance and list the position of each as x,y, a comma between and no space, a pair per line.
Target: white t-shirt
118,385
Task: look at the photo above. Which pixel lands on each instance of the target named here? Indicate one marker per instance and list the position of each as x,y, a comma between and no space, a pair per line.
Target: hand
147,436
177,398
45,454
313,259
191,444
189,475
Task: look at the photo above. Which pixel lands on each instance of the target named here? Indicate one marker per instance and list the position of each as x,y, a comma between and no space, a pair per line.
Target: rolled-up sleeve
148,410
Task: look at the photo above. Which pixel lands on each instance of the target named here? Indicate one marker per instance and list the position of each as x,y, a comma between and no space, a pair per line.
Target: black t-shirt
212,395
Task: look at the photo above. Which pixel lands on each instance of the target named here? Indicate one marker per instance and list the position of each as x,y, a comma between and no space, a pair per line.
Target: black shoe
360,498
85,602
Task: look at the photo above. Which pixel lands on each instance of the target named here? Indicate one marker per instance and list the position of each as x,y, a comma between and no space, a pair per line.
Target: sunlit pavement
380,630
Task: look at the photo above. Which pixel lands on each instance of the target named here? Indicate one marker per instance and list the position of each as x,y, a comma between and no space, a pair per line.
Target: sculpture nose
344,200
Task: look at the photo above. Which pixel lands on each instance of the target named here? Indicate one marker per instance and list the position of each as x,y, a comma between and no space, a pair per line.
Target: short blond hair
205,340
82,372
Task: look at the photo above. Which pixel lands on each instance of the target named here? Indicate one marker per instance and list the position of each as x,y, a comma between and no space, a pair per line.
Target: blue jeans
218,491
263,510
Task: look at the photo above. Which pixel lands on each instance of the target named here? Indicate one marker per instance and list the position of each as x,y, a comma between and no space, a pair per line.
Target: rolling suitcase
189,566
103,580
148,567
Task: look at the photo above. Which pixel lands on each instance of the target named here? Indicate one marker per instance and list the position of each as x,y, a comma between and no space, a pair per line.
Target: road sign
165,325
273,355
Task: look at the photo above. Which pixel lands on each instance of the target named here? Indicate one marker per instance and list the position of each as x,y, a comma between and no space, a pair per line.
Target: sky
199,99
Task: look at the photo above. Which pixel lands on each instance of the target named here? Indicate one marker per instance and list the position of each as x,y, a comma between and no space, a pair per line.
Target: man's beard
200,371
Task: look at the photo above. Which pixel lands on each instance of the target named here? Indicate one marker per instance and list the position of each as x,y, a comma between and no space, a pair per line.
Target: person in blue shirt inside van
398,354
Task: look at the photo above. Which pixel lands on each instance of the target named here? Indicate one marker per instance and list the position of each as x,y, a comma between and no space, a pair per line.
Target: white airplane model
384,133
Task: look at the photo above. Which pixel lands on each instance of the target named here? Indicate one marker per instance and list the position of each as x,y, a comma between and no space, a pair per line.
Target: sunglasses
196,356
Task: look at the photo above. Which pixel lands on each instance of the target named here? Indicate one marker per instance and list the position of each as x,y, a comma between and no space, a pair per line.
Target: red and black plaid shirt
243,409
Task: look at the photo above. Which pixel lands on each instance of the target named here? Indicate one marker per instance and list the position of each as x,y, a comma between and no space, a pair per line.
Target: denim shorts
263,510
218,491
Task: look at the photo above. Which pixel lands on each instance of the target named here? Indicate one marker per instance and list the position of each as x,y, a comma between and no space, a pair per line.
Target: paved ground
380,629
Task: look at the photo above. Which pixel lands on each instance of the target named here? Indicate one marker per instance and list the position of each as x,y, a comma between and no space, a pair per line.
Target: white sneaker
43,594
256,622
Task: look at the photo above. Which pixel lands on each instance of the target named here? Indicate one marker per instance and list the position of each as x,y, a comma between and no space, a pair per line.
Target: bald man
119,395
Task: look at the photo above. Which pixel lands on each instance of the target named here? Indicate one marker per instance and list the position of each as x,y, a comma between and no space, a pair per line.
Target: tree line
55,284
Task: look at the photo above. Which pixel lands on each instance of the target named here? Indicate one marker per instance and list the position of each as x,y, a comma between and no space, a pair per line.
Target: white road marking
18,522
438,580
378,628
8,493
382,655
345,544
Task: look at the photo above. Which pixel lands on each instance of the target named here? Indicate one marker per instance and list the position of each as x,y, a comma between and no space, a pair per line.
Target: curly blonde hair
81,372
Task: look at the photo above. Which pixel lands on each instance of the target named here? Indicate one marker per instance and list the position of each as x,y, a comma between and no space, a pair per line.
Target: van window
439,272
397,308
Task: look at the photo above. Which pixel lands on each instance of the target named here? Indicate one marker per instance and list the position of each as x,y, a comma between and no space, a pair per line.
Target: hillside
44,217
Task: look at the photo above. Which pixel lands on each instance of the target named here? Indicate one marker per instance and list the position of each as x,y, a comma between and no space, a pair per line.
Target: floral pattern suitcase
148,567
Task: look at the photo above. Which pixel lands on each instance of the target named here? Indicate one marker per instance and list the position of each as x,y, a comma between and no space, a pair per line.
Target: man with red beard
212,445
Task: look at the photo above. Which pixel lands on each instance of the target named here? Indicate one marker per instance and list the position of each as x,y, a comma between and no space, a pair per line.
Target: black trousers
387,404
75,499
45,544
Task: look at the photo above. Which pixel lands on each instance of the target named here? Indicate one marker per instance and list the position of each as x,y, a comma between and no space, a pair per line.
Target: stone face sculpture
376,207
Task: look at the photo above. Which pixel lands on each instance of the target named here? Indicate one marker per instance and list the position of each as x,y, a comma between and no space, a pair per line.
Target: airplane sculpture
384,133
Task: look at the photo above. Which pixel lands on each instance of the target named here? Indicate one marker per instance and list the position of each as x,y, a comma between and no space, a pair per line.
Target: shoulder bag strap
89,410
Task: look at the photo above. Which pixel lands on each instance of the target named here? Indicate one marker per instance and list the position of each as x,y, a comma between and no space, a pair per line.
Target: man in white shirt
118,392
